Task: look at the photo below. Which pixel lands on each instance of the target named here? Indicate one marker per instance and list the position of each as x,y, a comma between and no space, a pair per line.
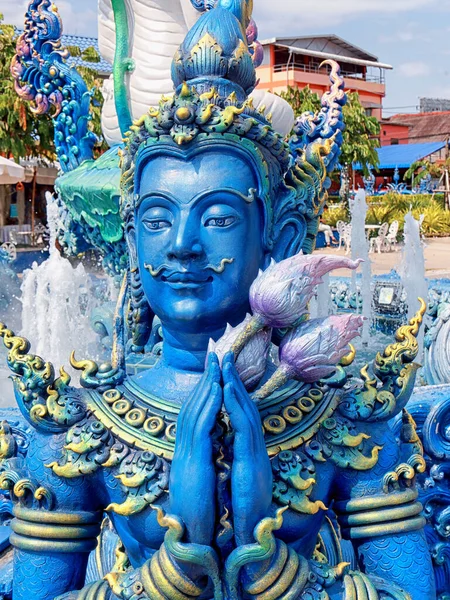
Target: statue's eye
156,224
220,221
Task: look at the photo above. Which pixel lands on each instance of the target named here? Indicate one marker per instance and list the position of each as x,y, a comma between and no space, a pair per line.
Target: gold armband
374,516
45,531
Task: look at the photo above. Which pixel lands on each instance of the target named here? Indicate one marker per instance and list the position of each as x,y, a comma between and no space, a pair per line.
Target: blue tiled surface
83,43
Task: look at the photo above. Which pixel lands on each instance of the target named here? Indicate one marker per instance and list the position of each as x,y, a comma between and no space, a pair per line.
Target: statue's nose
185,248
185,254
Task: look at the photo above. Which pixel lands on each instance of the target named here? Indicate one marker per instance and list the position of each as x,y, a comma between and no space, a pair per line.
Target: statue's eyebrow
250,197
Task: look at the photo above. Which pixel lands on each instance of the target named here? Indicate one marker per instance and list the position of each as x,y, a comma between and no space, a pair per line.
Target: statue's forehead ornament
188,116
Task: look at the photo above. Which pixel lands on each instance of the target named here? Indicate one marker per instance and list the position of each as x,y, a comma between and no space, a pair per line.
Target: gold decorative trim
387,515
55,546
55,532
383,529
374,502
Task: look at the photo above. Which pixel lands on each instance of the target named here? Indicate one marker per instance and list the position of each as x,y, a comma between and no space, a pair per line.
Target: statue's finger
209,414
237,416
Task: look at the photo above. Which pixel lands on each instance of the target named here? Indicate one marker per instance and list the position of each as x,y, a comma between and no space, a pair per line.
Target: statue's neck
186,351
180,367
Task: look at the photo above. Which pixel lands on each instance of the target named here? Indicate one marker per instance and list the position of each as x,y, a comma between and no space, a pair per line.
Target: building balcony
375,76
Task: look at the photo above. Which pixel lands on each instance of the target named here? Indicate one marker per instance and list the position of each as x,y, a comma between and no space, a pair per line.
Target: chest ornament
121,433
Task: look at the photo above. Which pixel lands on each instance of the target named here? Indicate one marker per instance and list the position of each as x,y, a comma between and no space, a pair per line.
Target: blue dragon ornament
246,463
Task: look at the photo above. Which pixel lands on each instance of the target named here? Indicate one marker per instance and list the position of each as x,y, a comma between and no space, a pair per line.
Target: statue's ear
141,315
131,243
289,236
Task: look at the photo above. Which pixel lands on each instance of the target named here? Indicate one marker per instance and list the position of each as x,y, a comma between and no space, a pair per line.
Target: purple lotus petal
314,349
257,52
252,32
252,361
280,295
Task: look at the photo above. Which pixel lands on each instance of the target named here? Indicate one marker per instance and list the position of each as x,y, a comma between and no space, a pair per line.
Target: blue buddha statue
219,486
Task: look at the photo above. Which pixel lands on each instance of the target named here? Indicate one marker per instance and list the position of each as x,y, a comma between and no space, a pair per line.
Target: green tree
23,133
302,100
422,169
361,131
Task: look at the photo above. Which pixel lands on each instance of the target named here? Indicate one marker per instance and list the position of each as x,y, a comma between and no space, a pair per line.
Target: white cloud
78,21
413,69
13,12
327,13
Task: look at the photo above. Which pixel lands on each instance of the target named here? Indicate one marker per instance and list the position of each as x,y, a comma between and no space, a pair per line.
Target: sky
411,35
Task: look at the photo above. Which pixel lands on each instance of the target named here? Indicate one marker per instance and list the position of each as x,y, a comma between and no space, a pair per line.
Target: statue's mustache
154,272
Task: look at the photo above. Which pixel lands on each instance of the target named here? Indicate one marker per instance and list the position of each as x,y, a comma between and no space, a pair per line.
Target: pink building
296,62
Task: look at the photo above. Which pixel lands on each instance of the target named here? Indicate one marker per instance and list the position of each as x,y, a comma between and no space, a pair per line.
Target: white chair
13,237
377,243
340,228
391,237
40,234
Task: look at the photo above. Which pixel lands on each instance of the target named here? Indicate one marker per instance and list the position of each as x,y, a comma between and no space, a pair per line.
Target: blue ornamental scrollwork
246,463
42,76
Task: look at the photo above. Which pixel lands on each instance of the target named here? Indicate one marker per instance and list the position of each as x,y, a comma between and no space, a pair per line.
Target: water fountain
360,249
58,289
412,270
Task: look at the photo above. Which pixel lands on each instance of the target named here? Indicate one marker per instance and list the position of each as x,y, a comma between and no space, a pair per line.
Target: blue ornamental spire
241,9
215,53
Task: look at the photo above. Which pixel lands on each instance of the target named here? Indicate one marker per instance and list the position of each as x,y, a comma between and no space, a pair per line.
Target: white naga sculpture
156,28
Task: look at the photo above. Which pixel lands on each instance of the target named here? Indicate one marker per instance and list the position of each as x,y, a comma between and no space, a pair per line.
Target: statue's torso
126,441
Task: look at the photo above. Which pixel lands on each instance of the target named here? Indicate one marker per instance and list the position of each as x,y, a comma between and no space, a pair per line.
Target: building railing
370,77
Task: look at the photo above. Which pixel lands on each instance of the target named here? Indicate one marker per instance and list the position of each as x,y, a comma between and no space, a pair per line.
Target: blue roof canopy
103,67
84,43
404,155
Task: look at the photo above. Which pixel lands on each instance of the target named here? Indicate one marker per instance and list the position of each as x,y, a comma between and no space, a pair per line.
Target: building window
394,142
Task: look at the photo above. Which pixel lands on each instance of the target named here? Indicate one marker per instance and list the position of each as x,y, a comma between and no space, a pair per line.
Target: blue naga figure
228,470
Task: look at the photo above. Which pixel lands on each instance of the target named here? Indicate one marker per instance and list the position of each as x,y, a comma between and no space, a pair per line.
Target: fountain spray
360,249
412,272
56,303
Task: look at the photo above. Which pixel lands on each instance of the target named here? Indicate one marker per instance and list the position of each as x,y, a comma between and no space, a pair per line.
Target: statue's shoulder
47,401
342,419
128,436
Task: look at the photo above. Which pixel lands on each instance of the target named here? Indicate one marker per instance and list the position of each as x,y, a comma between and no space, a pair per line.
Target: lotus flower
252,361
279,296
313,350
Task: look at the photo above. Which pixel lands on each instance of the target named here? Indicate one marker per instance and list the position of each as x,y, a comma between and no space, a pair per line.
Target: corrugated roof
424,127
322,43
84,43
103,67
404,155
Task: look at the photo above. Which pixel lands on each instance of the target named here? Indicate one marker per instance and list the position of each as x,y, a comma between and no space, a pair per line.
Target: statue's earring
140,314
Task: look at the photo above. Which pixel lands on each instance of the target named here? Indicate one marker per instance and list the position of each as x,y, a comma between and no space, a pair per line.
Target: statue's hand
192,478
251,471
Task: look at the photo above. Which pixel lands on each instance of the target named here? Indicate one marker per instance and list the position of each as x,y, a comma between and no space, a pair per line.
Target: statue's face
198,239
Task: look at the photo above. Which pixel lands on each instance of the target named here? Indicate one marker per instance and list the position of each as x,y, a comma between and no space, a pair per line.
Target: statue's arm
57,519
55,527
378,510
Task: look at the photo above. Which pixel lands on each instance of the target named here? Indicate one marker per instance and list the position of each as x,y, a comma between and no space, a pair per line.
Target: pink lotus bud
313,350
279,297
252,361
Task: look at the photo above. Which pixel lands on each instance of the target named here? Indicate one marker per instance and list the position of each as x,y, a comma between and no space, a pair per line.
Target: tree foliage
421,169
24,134
361,131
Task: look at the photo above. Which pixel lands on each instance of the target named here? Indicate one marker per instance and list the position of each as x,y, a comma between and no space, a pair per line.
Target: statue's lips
186,280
